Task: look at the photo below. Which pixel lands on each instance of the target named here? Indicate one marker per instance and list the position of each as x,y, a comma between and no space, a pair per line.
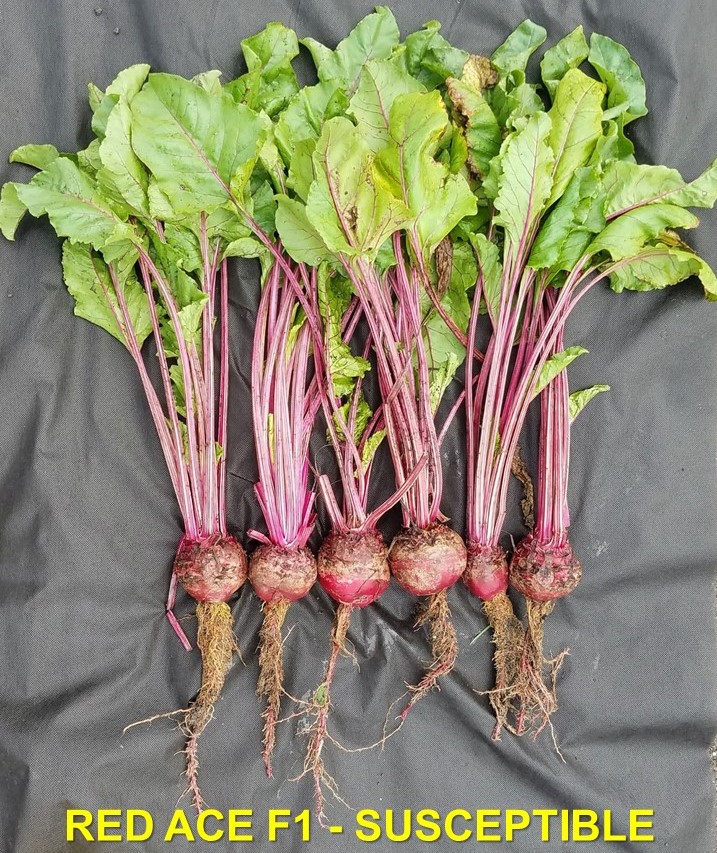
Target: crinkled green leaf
363,416
270,82
626,235
380,83
576,117
512,102
11,210
570,52
38,156
579,399
520,45
174,133
613,144
348,203
555,365
430,58
68,196
88,280
491,270
374,37
436,199
526,179
621,74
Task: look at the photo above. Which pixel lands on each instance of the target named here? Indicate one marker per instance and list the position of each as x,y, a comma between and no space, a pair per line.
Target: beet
278,573
486,574
542,571
353,567
426,561
211,569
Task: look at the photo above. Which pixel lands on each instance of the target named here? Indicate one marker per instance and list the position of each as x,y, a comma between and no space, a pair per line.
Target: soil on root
271,672
534,690
215,638
436,615
508,638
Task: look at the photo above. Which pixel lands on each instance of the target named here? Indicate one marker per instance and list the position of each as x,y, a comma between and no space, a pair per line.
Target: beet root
543,571
486,573
211,569
427,560
353,567
279,576
320,707
215,638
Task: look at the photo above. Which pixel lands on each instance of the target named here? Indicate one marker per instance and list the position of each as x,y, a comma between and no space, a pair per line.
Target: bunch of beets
423,218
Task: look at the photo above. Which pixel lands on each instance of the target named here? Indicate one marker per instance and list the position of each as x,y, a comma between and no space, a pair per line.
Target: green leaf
555,365
663,265
88,280
576,117
89,158
305,115
513,103
430,58
441,342
621,74
491,271
301,170
174,133
348,203
632,185
299,237
125,86
123,176
571,224
441,376
380,83
526,181
11,210
38,156
436,199
480,126
210,81
270,82
373,442
374,37
613,144
334,296
570,52
626,235
516,50
68,196
579,399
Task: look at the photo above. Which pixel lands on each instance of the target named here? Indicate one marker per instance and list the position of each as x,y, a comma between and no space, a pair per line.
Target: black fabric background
89,525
